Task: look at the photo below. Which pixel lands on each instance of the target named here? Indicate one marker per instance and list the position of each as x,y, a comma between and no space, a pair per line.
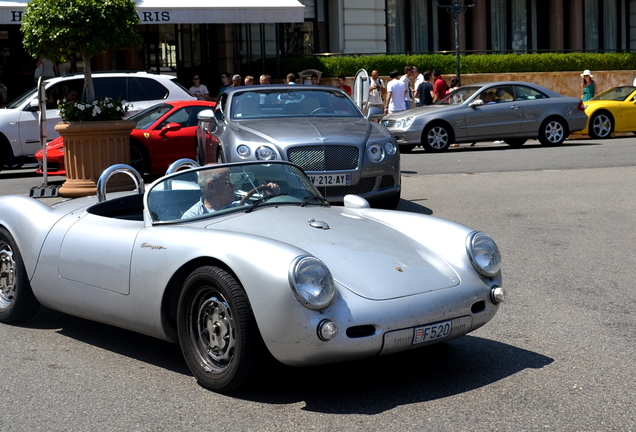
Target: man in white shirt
419,79
396,92
406,79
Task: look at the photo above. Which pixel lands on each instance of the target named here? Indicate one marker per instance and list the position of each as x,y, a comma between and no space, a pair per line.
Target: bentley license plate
432,331
331,179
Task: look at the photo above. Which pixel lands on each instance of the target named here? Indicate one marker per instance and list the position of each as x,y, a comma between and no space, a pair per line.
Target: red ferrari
164,133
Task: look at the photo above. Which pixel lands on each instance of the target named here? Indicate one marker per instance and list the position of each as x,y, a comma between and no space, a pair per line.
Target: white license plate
431,332
331,179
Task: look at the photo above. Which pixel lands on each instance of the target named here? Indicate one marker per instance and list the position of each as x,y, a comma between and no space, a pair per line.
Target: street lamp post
455,8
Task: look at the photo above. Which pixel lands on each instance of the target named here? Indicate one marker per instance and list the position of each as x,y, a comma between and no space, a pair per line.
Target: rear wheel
601,125
139,158
516,142
552,132
17,302
217,332
437,138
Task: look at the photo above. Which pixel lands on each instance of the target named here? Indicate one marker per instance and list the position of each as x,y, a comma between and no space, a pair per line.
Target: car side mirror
375,113
34,105
207,118
170,127
476,103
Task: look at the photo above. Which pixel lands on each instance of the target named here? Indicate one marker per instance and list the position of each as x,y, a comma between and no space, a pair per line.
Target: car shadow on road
380,384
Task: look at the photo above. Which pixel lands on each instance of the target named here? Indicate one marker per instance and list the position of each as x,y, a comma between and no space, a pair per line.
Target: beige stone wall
566,83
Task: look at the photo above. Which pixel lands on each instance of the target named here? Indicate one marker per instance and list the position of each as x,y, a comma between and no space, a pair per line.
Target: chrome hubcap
7,277
554,132
602,126
215,335
438,137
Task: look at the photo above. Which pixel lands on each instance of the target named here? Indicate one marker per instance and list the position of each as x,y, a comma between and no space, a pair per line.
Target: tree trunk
88,78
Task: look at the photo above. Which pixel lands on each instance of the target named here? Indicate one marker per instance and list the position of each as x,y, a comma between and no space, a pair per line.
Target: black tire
220,158
516,142
601,125
437,138
217,331
17,302
406,148
139,158
553,132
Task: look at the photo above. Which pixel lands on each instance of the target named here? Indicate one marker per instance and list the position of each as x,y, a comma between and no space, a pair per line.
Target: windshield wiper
314,197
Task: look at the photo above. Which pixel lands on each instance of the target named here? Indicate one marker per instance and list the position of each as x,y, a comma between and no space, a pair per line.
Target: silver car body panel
394,271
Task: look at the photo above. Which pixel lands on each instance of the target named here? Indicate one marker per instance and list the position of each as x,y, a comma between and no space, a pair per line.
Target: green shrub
332,66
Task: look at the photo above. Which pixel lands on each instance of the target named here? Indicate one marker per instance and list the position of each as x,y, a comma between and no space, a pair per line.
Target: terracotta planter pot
90,148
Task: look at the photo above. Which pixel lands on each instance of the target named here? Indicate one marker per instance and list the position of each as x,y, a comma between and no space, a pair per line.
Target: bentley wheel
552,132
516,142
436,138
601,125
17,302
217,332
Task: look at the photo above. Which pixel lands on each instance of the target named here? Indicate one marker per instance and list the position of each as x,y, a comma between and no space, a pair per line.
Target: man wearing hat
588,86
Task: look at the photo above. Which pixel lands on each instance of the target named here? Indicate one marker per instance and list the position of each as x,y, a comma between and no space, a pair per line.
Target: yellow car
614,110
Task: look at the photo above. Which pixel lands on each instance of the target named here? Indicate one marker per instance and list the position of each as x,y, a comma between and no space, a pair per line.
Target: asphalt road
559,356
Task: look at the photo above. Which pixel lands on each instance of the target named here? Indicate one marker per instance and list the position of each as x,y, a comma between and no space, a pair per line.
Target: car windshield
459,96
215,190
149,116
616,93
267,103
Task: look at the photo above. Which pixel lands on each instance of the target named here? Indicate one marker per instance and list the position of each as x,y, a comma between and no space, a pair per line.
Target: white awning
192,11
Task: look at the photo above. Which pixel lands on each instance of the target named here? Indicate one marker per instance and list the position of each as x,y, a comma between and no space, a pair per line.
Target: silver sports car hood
304,130
369,258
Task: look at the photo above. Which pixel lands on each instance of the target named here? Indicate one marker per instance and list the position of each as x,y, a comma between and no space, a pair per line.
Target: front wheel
552,132
217,332
138,158
437,138
17,302
601,125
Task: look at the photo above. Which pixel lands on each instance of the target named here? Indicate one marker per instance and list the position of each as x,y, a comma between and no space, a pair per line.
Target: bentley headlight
390,148
484,254
375,153
243,151
265,153
404,123
311,282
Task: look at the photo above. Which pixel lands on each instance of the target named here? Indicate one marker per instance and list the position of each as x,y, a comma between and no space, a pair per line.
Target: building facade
196,43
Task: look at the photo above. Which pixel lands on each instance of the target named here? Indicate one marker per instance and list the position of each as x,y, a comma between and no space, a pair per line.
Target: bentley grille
325,157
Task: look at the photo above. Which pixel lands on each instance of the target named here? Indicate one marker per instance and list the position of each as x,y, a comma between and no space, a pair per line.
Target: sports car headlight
311,282
390,148
484,254
265,153
375,152
243,151
404,123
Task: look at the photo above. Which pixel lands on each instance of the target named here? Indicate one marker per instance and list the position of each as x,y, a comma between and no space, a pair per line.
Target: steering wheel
317,110
271,189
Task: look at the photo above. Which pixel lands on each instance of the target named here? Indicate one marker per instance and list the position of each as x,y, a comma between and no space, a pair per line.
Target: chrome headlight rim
484,254
375,152
265,153
390,148
243,151
311,282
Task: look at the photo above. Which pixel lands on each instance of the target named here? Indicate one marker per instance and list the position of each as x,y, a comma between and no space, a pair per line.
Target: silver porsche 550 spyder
240,261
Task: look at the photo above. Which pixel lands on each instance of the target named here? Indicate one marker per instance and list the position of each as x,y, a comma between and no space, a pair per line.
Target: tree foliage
56,29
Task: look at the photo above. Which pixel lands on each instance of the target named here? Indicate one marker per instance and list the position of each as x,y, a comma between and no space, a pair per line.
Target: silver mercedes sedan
511,111
318,128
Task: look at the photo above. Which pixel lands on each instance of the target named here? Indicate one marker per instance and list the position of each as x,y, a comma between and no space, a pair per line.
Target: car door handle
514,106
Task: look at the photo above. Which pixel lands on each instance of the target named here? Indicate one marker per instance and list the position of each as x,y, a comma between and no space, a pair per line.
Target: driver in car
217,192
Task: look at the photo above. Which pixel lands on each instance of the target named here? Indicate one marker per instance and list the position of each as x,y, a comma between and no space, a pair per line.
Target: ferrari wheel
436,138
601,125
217,332
139,158
17,302
552,132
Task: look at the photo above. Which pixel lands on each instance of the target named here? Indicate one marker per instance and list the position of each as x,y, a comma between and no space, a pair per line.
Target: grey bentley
318,128
511,111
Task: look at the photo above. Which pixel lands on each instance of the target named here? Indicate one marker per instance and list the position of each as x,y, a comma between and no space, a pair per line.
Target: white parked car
19,131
